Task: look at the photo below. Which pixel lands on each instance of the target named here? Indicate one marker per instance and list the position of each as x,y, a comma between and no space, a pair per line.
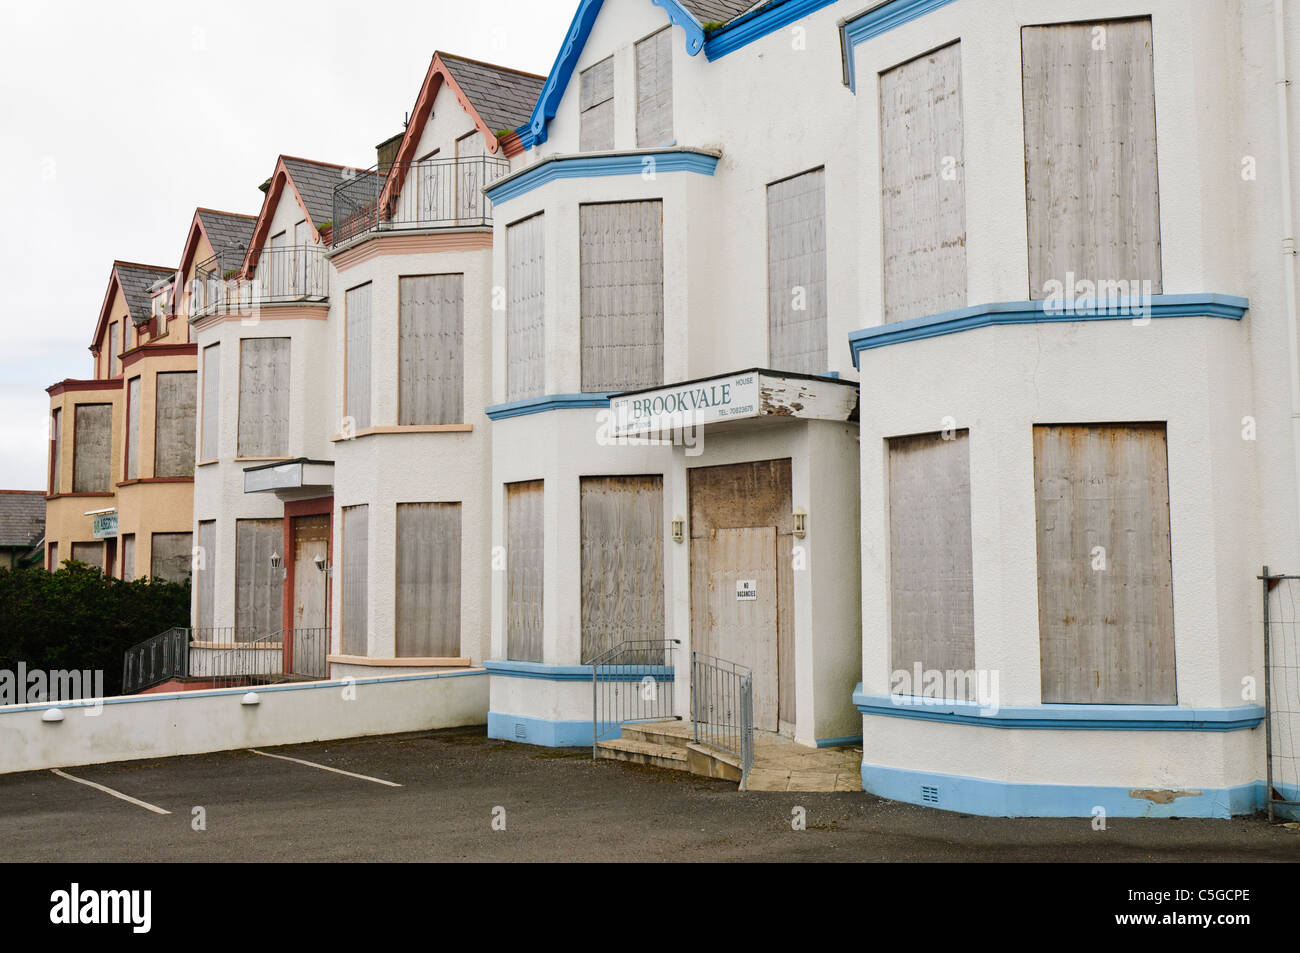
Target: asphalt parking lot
443,796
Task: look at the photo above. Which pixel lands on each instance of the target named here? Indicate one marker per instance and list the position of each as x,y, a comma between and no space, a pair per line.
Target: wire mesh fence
1282,688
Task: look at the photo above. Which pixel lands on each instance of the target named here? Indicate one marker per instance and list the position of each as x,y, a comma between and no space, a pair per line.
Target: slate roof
315,182
22,517
721,11
229,234
136,281
504,98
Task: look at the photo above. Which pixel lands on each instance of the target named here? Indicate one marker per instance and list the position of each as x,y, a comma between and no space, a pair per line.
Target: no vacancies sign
686,405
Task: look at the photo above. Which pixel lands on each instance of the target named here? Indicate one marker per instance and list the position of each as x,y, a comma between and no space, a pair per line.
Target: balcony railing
284,274
430,193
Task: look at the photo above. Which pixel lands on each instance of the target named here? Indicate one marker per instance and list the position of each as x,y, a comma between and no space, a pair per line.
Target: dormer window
596,125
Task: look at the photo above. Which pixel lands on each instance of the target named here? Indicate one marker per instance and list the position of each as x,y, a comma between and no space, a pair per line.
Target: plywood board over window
796,273
431,317
128,556
525,308
56,451
654,90
133,429
923,186
596,105
205,575
931,590
174,408
211,402
622,561
622,295
356,580
1105,580
525,561
263,397
171,556
91,447
92,554
259,586
428,580
1090,156
356,404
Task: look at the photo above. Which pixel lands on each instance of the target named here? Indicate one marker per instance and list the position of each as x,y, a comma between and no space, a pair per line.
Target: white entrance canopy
298,474
746,394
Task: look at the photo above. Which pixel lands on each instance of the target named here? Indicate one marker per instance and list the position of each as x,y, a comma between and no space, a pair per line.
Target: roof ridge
505,69
217,211
332,165
136,264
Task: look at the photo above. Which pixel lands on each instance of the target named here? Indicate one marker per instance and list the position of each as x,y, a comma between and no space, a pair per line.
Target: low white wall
177,723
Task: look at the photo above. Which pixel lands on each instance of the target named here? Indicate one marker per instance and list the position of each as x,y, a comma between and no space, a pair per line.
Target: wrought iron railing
283,274
631,682
308,652
722,708
429,193
156,660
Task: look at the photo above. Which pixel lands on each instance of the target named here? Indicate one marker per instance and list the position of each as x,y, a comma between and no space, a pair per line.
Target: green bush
78,618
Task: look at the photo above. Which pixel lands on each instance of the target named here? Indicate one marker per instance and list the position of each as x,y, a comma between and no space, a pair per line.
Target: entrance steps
668,744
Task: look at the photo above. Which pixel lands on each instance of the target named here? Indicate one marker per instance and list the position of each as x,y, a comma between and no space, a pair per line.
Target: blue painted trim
757,24
1230,307
259,689
575,673
951,792
875,22
589,167
540,731
679,15
540,405
855,740
1068,717
548,101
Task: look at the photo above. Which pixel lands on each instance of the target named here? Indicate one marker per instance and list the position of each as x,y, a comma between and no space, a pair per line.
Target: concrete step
643,752
667,733
712,763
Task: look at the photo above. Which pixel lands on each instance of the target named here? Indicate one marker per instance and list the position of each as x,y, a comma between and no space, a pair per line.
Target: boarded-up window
56,451
923,186
525,307
357,358
931,595
205,575
596,102
356,580
173,448
259,586
622,322
171,556
432,351
428,580
654,90
54,557
263,397
525,558
133,429
796,273
1105,582
91,447
114,349
211,402
92,554
1090,157
128,556
622,561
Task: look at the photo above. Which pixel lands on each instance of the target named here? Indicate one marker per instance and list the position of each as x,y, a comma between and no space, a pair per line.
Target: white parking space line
107,790
326,767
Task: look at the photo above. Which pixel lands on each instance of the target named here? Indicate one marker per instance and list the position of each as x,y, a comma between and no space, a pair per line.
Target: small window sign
746,590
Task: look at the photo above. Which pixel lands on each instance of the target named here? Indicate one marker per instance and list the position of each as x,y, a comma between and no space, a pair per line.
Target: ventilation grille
521,731
929,795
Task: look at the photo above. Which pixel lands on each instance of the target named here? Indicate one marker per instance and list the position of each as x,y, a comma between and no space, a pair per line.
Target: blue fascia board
594,166
683,18
875,22
577,673
540,405
757,24
548,101
1063,717
1230,307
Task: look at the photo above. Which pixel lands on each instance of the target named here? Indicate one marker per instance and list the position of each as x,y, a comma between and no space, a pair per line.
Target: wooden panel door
311,539
741,602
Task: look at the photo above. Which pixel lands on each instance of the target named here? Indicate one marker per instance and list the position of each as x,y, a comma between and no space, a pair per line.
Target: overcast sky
118,118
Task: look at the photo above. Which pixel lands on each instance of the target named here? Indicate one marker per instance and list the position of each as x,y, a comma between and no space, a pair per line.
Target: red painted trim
60,496
28,492
512,145
181,479
321,506
272,201
77,386
141,351
114,281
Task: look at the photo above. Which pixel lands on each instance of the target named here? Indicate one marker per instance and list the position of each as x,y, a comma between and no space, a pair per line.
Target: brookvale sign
686,405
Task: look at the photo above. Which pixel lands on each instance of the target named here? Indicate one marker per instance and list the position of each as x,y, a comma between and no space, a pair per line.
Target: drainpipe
1288,229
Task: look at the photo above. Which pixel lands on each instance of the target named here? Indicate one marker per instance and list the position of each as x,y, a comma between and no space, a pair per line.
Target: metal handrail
631,682
722,708
155,660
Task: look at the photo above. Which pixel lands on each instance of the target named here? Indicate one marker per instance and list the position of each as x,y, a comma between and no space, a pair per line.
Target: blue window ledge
540,405
637,162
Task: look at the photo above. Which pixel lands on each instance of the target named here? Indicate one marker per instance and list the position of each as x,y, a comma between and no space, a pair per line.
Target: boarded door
259,586
525,559
622,290
91,447
428,580
174,424
1105,584
622,561
431,349
310,539
741,603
